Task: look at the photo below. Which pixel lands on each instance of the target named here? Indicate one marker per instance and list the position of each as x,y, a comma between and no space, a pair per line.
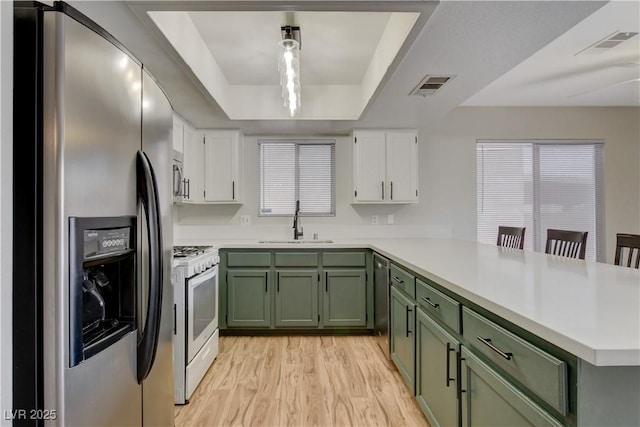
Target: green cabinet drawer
438,305
490,400
296,259
537,370
248,259
343,259
403,280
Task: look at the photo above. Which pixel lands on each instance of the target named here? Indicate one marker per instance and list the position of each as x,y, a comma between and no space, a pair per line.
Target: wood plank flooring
301,381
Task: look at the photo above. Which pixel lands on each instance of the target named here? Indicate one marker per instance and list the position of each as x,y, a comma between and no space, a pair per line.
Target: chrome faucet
297,233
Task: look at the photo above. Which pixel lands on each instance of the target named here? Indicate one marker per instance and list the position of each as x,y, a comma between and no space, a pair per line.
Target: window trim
299,141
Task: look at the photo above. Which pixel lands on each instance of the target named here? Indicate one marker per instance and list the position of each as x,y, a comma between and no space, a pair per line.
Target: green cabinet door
488,399
436,372
248,298
296,298
345,298
402,340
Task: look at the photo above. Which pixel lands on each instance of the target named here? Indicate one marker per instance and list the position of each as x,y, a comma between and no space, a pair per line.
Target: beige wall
447,173
448,157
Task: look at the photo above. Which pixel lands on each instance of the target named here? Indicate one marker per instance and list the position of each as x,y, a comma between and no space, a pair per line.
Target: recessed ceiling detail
430,85
346,56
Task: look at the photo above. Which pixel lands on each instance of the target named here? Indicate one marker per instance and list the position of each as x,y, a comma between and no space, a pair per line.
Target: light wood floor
301,381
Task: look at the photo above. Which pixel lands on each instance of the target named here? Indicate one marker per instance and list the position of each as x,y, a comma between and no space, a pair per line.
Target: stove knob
209,263
198,268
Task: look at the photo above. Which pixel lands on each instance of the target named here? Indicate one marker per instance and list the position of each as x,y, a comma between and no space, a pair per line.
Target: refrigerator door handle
148,194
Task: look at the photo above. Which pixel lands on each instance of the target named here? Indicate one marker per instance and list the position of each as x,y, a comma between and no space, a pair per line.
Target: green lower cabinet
345,298
488,399
296,298
436,372
248,298
402,339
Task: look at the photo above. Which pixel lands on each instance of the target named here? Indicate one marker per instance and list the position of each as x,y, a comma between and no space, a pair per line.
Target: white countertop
589,309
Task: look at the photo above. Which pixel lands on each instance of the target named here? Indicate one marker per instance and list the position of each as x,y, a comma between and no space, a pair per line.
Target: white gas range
195,343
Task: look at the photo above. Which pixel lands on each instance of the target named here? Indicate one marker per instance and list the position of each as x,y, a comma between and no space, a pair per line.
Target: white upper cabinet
385,166
178,134
369,166
222,160
193,166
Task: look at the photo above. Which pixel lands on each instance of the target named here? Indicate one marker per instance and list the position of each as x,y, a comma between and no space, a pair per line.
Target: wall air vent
610,41
430,85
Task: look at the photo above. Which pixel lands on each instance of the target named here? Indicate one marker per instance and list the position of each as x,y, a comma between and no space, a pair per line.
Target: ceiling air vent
430,85
611,41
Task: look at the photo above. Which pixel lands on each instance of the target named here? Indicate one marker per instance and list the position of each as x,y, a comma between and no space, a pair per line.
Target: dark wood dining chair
511,237
572,244
630,242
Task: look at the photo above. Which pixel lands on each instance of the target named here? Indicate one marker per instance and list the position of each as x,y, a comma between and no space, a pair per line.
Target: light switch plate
245,219
374,219
389,218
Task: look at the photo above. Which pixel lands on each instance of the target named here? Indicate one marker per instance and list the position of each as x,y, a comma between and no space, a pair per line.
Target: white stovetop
589,309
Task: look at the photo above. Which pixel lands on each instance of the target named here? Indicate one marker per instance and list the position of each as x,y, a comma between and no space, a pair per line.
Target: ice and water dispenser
102,283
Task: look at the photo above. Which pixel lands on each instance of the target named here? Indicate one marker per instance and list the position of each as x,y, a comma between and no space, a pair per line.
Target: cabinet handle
449,350
326,281
382,183
266,283
391,190
428,301
175,320
233,190
397,280
487,342
188,185
278,282
459,372
408,311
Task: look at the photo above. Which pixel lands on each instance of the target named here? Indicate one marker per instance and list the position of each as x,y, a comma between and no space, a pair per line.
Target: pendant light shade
289,66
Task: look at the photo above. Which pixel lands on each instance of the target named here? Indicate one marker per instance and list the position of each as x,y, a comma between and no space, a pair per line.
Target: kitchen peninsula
583,315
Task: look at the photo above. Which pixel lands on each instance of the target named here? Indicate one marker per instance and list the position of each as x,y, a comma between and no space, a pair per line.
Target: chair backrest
630,242
572,244
511,237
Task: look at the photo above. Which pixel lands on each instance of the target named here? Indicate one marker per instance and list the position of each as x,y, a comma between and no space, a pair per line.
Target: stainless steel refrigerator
93,304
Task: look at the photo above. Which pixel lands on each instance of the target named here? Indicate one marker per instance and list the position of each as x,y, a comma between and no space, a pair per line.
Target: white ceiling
563,73
501,52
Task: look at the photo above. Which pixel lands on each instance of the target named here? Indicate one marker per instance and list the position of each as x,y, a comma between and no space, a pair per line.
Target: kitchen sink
296,241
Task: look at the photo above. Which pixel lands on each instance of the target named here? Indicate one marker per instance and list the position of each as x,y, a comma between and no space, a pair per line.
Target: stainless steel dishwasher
381,311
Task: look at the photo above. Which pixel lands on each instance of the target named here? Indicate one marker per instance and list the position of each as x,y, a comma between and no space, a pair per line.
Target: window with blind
541,185
293,170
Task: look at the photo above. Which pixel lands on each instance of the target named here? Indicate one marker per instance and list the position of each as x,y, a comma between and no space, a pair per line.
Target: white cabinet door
402,166
193,166
221,166
369,166
178,137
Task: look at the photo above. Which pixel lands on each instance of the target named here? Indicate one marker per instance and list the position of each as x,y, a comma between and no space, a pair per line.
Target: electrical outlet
389,218
245,219
374,219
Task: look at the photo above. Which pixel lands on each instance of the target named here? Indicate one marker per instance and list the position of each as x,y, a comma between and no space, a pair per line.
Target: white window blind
540,185
297,170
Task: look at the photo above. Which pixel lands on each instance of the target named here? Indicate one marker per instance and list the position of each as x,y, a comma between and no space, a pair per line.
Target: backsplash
265,232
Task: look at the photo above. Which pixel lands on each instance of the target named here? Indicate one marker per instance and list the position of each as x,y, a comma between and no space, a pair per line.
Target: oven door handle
196,280
148,195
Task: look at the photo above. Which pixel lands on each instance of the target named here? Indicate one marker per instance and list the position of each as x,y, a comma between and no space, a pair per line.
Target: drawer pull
397,280
428,301
487,342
